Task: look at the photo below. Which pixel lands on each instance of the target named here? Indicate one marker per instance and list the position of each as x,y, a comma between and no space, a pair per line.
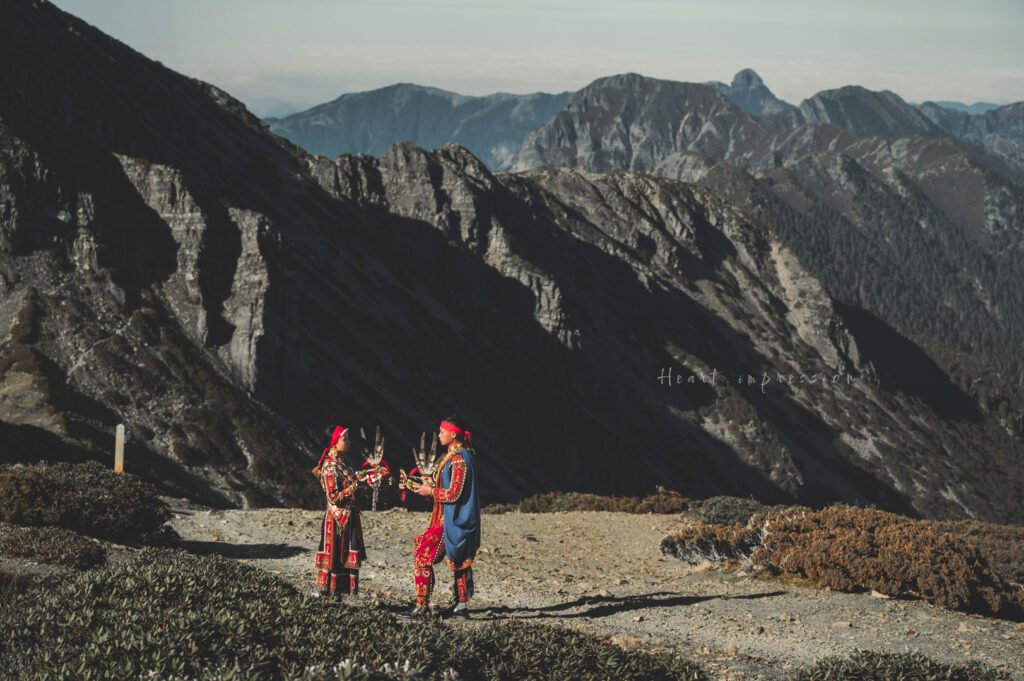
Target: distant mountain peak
630,79
491,126
400,91
749,92
972,109
747,79
870,113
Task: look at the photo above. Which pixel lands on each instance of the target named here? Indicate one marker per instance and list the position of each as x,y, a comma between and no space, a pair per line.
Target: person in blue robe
453,533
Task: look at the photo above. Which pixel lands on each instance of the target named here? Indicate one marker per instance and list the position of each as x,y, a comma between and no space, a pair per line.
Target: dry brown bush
55,545
723,510
552,502
855,549
698,542
87,497
1002,545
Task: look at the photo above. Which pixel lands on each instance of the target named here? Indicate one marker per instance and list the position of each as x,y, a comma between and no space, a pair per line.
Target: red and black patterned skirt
341,546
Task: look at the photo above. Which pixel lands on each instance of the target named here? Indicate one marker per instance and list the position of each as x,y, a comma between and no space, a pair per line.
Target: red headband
335,436
461,432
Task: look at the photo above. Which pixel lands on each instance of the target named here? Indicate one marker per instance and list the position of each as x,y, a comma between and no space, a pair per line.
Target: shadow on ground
229,550
603,606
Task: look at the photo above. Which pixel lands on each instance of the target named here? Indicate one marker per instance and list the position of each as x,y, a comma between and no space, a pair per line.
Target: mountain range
491,127
608,319
893,212
976,108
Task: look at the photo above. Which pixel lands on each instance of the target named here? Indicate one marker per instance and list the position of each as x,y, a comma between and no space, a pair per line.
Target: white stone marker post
119,449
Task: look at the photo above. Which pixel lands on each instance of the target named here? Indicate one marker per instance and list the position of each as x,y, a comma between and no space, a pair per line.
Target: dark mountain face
954,122
140,212
492,127
748,92
838,213
168,263
629,272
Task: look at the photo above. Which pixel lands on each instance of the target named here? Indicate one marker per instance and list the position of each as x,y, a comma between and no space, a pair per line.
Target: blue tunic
462,518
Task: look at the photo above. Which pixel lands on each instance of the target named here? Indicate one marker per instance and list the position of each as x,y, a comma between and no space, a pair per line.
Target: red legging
429,550
462,588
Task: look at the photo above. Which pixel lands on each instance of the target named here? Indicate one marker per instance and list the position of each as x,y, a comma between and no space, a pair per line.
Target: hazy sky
305,52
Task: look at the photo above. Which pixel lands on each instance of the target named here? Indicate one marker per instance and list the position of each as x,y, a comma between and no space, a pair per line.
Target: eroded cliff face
85,350
169,264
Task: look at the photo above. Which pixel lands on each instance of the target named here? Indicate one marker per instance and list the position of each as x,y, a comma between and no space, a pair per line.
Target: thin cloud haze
298,54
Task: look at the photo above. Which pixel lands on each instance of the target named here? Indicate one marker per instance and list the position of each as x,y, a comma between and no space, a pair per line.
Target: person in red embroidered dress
341,550
453,532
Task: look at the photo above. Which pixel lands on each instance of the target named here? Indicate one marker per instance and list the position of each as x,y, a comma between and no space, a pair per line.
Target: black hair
455,420
330,432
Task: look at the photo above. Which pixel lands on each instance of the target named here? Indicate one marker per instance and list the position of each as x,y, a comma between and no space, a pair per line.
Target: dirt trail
604,573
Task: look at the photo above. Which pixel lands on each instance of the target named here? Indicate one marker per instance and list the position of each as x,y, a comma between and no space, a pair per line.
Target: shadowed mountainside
890,211
169,263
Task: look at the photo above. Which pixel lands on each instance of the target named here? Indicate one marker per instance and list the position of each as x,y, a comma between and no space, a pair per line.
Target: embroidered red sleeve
330,484
451,495
346,492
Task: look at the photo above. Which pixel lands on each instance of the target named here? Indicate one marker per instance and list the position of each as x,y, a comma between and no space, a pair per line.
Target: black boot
339,584
415,613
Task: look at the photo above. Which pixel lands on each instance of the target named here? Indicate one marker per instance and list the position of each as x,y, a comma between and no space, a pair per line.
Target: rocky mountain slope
169,263
865,188
631,122
998,131
492,127
863,112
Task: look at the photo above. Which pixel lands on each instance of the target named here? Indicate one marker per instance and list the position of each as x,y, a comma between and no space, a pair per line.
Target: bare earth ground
604,573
